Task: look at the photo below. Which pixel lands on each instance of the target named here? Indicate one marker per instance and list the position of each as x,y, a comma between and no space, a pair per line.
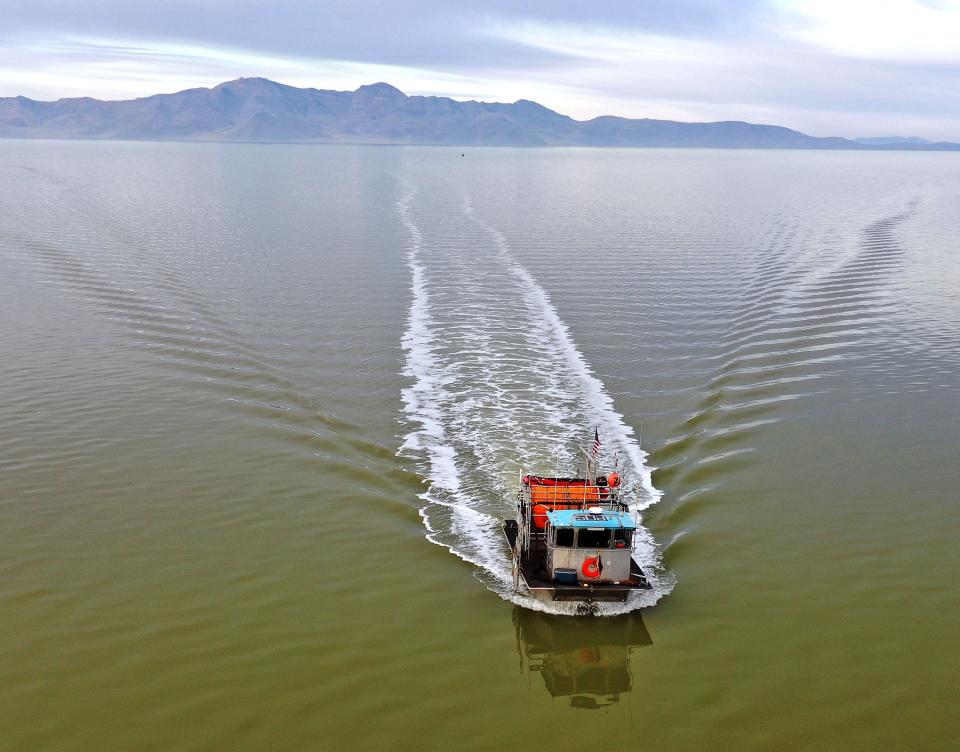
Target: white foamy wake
497,383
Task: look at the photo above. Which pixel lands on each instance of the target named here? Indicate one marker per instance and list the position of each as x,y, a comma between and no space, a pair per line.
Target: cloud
773,78
410,33
899,30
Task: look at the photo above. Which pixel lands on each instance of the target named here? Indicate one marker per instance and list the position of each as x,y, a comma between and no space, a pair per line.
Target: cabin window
621,538
594,538
564,537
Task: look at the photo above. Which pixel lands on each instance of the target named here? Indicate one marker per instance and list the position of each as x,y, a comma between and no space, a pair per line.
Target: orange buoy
540,516
613,480
591,567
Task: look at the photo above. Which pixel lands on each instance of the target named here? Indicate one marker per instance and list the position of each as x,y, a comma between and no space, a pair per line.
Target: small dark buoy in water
461,155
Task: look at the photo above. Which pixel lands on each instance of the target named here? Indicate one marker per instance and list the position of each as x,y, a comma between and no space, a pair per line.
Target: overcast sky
826,67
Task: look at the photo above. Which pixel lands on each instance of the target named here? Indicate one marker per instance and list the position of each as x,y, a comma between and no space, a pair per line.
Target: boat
572,539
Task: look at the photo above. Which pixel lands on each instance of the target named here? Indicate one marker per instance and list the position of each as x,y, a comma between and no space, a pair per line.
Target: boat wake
809,308
498,384
133,283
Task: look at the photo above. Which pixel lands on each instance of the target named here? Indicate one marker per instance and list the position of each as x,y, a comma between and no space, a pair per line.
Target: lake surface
262,407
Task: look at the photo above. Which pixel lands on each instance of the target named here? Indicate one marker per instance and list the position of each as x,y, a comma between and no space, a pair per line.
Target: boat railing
552,498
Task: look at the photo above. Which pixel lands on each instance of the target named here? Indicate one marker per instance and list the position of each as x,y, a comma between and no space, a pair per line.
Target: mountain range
257,109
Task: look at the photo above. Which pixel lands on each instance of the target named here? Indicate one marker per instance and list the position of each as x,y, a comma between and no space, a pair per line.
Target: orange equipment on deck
552,494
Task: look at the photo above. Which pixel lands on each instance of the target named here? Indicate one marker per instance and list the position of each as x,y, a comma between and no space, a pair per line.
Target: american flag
595,450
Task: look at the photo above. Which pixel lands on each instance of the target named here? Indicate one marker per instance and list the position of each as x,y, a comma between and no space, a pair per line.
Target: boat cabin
589,545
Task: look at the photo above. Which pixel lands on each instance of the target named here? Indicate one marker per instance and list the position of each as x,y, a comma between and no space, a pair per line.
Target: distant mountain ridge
257,109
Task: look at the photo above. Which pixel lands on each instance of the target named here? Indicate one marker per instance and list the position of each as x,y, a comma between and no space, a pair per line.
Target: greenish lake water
261,409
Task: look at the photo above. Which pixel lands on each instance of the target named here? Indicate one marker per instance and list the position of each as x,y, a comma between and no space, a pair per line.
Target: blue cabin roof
584,518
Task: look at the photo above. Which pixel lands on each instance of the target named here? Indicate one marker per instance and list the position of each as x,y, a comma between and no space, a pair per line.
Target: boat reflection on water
584,658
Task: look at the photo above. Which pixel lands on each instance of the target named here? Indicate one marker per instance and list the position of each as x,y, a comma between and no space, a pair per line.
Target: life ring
591,567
